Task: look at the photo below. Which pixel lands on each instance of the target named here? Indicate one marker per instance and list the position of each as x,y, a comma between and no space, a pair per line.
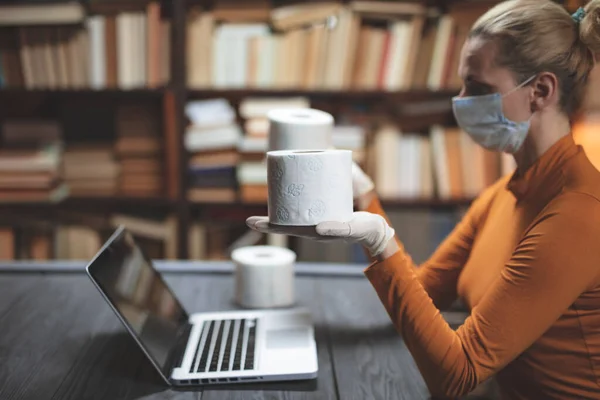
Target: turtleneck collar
544,178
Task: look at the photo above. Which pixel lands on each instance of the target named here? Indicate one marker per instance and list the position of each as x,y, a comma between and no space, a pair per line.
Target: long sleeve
439,274
555,261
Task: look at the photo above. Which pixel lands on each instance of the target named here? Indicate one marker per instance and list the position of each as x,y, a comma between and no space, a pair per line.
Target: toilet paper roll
299,128
306,187
264,276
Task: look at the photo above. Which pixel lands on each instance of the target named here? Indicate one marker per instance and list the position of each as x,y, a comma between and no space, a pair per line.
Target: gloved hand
361,183
370,230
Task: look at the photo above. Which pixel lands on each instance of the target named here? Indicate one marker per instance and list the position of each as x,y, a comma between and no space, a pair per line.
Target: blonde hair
535,36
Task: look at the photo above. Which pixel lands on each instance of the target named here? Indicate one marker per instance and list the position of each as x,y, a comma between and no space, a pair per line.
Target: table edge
182,266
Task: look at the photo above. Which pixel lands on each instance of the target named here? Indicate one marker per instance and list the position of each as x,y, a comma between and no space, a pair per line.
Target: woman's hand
370,230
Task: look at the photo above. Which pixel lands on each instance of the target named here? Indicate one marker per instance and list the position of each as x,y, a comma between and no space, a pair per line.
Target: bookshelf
170,97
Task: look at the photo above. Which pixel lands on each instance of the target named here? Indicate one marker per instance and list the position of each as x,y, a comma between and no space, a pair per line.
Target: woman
525,258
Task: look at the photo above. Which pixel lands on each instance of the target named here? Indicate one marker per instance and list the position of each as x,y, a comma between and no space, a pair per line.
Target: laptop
201,348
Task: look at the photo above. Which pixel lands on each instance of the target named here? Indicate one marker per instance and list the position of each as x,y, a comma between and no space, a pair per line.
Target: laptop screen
138,293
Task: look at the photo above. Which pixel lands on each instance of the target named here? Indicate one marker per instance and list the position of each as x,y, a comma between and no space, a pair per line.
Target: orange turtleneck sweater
525,259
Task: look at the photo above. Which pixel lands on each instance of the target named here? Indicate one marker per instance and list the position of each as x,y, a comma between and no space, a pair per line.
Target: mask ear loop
522,84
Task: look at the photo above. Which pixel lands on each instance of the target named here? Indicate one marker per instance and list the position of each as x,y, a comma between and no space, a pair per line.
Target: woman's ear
545,91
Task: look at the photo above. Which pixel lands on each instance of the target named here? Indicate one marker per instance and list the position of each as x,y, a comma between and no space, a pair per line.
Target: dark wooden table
60,340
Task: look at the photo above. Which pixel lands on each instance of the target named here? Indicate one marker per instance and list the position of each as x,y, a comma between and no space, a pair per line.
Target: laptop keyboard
226,345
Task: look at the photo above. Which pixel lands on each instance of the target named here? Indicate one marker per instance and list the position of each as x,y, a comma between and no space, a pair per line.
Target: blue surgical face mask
481,117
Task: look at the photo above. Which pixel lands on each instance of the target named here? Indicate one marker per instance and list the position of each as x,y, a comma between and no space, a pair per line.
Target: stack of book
138,150
91,170
30,162
212,140
252,169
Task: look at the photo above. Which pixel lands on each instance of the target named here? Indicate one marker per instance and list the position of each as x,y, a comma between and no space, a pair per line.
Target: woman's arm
551,266
439,274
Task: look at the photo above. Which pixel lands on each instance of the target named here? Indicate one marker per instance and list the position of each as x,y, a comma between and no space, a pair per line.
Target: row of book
445,164
37,164
31,162
324,45
126,50
226,162
227,158
329,45
80,236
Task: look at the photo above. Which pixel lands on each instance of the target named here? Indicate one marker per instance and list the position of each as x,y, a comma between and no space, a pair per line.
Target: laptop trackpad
288,338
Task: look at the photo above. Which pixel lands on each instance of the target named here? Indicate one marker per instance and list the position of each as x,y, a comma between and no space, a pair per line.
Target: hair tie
578,15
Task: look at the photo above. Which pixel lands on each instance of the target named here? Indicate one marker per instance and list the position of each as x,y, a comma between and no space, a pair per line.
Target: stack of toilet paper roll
264,276
308,182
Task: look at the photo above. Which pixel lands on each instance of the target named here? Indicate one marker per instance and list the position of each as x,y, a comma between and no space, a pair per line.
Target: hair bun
589,27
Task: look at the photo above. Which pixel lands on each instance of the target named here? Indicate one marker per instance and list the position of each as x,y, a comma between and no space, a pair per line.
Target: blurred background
152,114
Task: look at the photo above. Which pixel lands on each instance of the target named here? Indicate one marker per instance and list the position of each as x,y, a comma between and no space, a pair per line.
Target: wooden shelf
276,3
93,212
91,203
337,95
416,95
118,201
228,212
119,6
422,123
11,92
433,203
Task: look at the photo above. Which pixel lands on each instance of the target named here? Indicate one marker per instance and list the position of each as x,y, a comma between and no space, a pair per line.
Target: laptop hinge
178,351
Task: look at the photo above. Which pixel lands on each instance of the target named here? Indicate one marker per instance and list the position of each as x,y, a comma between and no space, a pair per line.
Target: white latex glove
361,183
370,230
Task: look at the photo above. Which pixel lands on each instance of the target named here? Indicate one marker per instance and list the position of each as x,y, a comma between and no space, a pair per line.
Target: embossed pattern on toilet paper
306,188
